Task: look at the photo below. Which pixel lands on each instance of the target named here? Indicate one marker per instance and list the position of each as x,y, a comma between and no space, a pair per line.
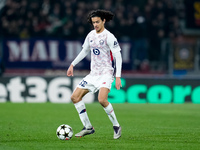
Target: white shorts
94,83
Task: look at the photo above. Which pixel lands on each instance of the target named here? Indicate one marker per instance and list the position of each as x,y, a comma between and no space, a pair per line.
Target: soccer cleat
117,132
84,132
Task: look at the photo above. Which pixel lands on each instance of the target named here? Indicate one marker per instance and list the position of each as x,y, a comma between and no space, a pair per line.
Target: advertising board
37,89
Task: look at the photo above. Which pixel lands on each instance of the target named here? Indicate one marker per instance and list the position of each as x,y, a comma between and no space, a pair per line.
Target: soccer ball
64,132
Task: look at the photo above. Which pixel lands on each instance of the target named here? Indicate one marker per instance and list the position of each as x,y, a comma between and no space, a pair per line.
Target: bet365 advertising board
38,89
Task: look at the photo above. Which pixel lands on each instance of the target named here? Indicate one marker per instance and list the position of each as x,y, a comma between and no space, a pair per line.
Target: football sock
81,109
111,114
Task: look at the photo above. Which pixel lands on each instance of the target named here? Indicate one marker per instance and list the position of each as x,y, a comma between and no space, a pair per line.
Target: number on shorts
83,83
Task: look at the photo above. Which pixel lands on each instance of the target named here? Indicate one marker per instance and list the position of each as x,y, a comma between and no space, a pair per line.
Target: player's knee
102,100
74,98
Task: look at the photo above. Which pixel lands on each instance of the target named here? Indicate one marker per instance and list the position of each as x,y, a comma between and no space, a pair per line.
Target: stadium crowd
147,24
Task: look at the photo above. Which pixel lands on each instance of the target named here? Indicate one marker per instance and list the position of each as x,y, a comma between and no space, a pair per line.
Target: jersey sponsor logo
96,51
101,42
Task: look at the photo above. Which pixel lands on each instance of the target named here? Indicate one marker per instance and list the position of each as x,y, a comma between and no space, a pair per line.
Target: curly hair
103,14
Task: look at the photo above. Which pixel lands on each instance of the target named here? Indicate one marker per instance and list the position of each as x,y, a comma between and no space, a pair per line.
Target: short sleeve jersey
102,46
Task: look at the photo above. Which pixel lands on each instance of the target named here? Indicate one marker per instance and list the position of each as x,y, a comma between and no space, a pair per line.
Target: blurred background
159,38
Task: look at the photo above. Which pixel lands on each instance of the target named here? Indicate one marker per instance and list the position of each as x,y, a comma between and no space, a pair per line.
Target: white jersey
102,46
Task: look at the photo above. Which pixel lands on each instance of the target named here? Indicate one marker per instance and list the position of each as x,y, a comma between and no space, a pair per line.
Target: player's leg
103,100
81,109
102,97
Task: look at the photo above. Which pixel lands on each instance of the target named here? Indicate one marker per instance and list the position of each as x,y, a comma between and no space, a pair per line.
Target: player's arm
80,56
115,48
118,60
85,50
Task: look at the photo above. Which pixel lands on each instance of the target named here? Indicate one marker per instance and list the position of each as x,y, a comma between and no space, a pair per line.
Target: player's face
98,24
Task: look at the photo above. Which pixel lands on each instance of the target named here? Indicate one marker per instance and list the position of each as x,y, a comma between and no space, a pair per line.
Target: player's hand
70,71
118,83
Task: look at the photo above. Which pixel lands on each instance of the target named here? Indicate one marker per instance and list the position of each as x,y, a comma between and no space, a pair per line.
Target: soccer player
104,47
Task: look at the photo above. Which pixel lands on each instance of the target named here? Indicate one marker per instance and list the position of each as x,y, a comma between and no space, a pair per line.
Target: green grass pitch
28,126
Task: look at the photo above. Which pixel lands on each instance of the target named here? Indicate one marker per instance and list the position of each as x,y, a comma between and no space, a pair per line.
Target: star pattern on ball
63,127
58,134
66,134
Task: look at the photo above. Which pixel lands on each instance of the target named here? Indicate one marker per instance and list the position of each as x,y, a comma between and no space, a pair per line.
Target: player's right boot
117,132
84,132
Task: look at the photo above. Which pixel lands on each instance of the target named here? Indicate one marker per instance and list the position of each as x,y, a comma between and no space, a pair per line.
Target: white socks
81,109
111,114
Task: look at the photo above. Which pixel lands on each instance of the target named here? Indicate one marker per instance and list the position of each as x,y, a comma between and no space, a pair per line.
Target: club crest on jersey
96,51
101,42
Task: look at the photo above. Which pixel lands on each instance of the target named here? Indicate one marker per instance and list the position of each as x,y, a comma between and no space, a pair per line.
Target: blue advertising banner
50,53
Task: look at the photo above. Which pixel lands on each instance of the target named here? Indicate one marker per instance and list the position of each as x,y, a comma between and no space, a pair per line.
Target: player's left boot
84,132
117,132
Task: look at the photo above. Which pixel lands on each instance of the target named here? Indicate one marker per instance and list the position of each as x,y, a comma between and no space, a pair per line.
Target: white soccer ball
64,132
